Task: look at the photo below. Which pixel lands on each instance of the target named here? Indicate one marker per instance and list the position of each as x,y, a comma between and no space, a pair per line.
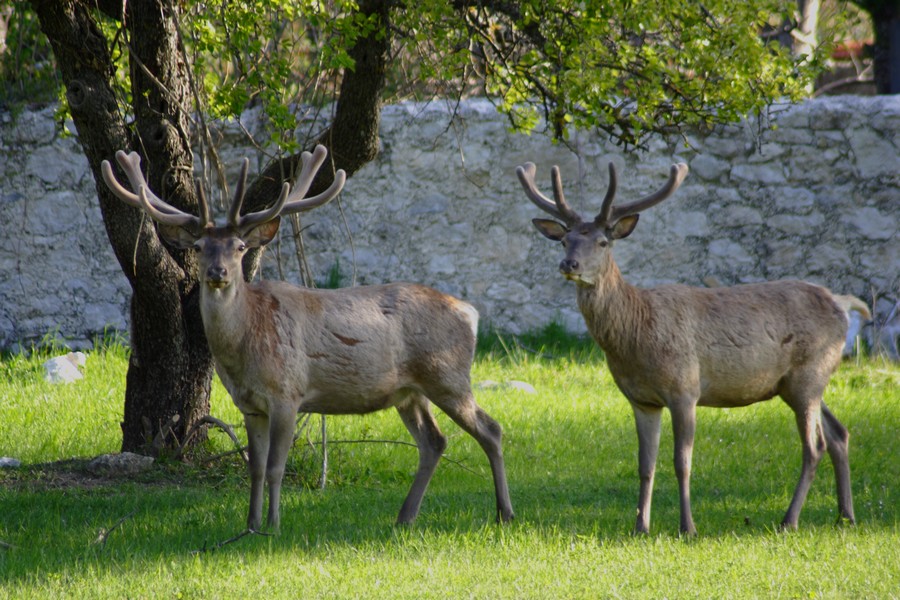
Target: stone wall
816,198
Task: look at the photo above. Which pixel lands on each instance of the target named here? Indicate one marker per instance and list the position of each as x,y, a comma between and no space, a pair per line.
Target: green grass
571,461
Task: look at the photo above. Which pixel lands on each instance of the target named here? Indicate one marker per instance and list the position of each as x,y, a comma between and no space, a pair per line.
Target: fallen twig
211,420
6,545
230,540
402,443
103,534
159,441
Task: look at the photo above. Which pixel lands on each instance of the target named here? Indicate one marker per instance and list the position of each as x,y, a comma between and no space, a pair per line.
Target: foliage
571,459
282,55
626,68
27,69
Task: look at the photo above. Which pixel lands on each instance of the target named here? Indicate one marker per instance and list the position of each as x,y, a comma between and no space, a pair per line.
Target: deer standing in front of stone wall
280,349
680,347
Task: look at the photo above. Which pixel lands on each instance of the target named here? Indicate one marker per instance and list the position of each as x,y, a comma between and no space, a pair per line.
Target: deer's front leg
258,442
684,422
647,421
282,423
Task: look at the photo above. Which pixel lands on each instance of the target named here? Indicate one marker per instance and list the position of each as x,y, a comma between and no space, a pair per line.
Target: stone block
797,225
727,252
798,200
871,223
874,155
784,257
736,216
764,174
708,167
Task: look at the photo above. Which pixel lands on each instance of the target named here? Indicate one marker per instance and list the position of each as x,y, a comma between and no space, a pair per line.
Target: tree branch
103,534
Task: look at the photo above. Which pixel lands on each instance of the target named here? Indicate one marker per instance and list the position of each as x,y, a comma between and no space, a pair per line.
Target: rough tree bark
886,51
171,368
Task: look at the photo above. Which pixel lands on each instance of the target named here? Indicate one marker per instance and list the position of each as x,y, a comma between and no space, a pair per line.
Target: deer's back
357,349
733,345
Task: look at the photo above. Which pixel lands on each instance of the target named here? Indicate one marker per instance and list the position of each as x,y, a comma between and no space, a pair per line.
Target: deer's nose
568,265
216,273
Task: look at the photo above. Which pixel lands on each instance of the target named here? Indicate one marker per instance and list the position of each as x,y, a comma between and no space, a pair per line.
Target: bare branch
230,540
210,420
103,534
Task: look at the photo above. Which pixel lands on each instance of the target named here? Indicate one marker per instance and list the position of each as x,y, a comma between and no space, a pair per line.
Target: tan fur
680,347
852,303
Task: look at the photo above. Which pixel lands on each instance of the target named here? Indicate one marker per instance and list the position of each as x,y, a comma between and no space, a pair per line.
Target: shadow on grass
568,476
746,465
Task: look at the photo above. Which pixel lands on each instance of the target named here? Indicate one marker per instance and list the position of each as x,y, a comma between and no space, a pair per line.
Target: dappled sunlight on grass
571,454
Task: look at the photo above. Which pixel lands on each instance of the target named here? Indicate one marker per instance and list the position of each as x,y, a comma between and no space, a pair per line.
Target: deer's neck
614,311
227,314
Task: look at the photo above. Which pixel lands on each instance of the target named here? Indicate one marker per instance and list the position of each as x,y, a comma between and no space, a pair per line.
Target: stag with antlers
280,349
681,347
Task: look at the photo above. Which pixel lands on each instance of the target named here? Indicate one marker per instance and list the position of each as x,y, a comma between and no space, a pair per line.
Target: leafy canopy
628,68
625,67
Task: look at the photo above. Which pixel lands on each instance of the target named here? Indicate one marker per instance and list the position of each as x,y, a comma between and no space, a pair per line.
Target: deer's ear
550,229
262,234
177,237
623,227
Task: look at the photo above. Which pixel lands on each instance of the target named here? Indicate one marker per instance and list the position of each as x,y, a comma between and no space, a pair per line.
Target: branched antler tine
131,165
289,201
181,219
234,213
526,174
248,221
116,188
606,209
564,209
297,205
312,162
676,175
204,206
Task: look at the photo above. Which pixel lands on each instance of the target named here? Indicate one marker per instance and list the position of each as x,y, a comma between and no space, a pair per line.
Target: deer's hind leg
416,414
466,413
805,399
837,439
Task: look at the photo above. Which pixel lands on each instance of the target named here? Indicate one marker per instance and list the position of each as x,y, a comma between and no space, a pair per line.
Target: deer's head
588,243
221,247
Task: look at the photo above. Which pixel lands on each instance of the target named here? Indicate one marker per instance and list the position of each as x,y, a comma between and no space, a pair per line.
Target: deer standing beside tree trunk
680,347
280,349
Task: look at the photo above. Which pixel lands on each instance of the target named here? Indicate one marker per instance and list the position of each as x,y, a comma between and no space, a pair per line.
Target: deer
280,349
678,347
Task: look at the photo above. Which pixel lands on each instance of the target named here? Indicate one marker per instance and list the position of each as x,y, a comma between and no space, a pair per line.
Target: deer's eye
602,243
241,247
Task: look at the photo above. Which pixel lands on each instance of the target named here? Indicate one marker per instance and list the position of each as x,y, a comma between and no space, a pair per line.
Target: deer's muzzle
216,276
569,266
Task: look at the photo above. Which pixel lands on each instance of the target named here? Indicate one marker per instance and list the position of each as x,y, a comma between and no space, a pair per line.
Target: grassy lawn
572,467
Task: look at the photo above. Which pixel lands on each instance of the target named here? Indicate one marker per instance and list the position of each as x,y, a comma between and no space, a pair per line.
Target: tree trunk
885,15
806,38
886,53
170,369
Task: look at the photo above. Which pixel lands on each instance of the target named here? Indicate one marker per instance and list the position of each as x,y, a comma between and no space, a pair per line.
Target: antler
610,214
560,208
156,207
287,202
292,202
